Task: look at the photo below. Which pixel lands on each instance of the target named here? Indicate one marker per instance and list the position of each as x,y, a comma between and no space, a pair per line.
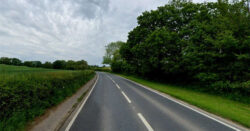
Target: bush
221,86
207,78
116,66
23,96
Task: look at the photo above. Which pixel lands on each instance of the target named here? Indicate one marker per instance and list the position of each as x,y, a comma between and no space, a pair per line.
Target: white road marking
234,128
144,121
78,111
129,101
117,86
111,79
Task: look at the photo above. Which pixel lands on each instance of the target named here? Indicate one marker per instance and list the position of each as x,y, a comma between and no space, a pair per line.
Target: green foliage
81,65
10,61
113,57
27,92
70,65
47,65
103,69
16,61
206,44
33,63
201,43
111,48
117,66
5,60
98,68
58,64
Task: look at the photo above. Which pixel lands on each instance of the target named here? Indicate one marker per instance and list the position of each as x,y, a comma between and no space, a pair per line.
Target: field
233,110
26,93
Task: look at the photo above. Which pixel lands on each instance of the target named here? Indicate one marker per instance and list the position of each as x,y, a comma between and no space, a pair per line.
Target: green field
7,69
236,111
26,93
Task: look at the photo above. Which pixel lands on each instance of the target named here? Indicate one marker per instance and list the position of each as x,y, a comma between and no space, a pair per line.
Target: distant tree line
206,44
58,64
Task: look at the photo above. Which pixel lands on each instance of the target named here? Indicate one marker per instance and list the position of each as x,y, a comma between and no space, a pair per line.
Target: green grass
233,110
26,93
22,69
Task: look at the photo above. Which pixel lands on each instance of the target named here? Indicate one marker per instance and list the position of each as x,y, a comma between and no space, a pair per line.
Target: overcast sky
47,30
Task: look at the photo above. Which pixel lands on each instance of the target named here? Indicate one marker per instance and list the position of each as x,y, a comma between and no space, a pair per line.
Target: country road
117,104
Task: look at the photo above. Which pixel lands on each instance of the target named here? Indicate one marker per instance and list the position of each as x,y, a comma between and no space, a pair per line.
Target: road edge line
78,111
182,104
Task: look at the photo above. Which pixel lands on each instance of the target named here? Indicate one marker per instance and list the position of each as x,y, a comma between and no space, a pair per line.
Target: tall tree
59,64
47,65
201,42
111,48
5,60
15,61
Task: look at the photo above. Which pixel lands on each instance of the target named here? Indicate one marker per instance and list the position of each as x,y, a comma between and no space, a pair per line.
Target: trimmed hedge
24,96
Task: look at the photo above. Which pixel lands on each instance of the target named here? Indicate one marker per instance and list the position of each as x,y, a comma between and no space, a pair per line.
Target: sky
49,30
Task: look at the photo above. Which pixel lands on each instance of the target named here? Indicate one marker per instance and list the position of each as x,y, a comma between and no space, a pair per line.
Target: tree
47,65
59,64
37,63
70,65
28,63
81,65
15,61
5,60
206,43
33,63
110,49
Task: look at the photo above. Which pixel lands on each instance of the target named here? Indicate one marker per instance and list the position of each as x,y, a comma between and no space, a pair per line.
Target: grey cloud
77,29
47,30
90,8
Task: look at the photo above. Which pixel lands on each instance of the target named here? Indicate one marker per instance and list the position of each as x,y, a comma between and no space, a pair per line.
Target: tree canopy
206,43
111,48
58,64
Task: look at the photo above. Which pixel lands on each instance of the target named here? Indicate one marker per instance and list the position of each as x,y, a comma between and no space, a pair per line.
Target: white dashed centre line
111,79
145,122
129,101
117,86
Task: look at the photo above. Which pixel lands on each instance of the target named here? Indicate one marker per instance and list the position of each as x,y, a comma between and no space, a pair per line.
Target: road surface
117,104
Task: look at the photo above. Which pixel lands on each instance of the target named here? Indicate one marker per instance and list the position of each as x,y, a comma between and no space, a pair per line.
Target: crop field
26,93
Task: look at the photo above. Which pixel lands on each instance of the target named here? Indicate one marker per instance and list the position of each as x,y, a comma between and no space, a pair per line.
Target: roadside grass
26,93
233,110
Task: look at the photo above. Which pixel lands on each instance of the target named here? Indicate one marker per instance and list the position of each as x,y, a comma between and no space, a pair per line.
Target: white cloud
47,30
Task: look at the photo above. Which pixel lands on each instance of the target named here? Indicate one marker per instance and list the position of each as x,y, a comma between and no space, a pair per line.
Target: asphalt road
117,104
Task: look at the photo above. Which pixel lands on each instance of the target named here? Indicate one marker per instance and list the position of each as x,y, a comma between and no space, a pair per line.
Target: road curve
117,104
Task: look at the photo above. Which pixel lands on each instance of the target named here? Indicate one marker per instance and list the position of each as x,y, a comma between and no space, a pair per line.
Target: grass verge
233,110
